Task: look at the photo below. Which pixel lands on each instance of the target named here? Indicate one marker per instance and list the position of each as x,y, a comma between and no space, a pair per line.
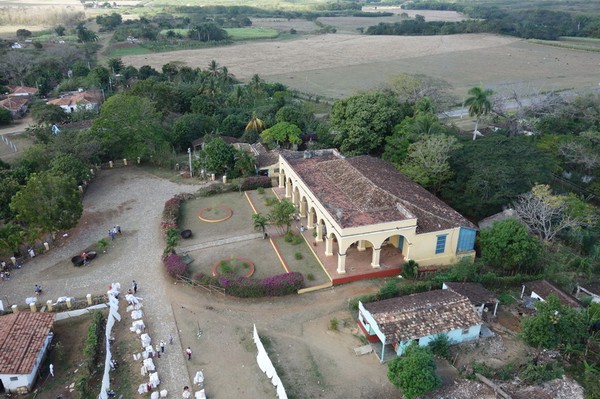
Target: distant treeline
531,24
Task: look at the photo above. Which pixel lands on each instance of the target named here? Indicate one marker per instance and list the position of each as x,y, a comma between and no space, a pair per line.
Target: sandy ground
337,65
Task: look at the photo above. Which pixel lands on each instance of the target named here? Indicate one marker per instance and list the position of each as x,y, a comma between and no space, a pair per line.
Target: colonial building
79,101
365,205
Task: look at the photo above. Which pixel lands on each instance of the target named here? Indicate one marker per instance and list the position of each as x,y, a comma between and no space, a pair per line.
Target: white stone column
319,237
329,246
288,190
375,258
302,209
311,221
295,198
341,269
281,180
361,245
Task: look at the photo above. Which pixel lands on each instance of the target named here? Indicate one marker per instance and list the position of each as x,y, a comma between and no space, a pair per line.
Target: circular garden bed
214,214
239,266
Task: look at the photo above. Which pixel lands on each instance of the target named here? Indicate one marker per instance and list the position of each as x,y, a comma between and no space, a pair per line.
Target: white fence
265,364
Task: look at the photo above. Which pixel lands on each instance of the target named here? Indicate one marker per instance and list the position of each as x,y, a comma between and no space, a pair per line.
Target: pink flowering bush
278,285
175,265
170,214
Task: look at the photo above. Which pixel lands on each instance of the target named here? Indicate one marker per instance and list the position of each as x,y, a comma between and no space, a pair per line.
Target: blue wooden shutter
440,245
466,240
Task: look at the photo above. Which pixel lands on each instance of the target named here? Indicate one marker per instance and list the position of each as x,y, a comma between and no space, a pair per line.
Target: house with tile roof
24,341
364,204
79,101
540,290
17,106
483,299
22,91
393,324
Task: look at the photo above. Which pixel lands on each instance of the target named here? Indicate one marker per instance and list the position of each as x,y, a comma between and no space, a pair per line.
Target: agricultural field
335,66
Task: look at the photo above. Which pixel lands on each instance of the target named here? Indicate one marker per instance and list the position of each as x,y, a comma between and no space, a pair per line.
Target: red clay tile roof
22,90
365,190
421,315
14,104
22,336
544,288
476,292
84,97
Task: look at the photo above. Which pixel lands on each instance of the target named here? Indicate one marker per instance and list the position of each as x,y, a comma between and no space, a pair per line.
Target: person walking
134,287
188,352
162,346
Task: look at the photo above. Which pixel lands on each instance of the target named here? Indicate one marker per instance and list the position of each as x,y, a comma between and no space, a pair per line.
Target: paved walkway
134,200
216,243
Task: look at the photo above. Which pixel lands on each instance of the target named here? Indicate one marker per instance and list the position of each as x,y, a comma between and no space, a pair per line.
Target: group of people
4,271
114,231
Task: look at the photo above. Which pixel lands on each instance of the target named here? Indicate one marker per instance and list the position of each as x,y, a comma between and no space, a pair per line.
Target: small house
24,341
540,290
79,101
393,324
483,299
22,91
17,106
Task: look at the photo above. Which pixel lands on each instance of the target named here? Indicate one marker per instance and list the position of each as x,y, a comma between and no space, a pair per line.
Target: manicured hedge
254,182
170,214
278,285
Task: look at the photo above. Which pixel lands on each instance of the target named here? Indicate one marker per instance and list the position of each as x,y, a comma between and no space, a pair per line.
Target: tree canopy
282,133
49,202
414,373
129,127
508,246
361,122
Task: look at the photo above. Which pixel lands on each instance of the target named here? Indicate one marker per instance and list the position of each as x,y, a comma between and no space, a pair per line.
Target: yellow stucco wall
418,247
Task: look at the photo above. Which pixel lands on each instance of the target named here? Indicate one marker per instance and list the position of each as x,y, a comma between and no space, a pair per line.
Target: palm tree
479,104
213,69
255,124
260,223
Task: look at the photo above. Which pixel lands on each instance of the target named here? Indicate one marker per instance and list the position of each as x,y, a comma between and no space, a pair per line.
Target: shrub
410,269
506,299
175,265
310,277
170,214
298,255
535,374
440,346
414,373
205,279
278,285
333,324
255,182
260,190
389,290
288,236
270,201
297,239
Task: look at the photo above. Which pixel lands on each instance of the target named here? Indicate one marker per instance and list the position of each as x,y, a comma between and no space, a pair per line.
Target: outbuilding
24,341
393,324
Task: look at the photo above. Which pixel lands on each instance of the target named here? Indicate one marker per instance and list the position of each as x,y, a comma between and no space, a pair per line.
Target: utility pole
190,157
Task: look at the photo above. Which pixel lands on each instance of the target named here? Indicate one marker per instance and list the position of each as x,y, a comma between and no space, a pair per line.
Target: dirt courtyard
337,65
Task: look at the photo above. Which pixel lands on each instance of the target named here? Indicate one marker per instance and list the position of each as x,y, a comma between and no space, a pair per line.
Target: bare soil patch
430,15
337,65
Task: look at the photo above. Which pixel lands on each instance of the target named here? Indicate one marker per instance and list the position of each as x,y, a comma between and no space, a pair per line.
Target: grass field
122,52
570,44
251,33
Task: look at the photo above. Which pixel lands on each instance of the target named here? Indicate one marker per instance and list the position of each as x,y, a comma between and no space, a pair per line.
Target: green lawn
183,32
119,52
251,33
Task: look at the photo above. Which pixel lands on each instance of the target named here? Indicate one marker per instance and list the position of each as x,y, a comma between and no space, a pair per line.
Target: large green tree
493,171
190,127
414,373
427,160
129,127
282,133
48,202
507,245
217,157
362,122
554,326
478,103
